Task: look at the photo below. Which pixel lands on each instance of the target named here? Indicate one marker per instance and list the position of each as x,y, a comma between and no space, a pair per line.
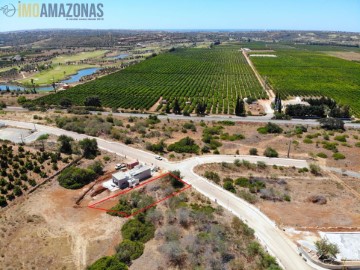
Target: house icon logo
8,10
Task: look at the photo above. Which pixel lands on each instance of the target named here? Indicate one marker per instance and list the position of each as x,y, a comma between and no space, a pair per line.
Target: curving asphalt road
249,119
274,240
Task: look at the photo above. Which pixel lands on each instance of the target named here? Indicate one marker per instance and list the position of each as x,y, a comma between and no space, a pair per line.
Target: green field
57,73
60,70
311,73
78,57
216,76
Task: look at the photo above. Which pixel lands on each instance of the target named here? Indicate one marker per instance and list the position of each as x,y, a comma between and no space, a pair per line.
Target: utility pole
288,155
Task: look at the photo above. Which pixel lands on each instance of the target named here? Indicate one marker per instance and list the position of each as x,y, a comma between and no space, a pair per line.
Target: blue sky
337,15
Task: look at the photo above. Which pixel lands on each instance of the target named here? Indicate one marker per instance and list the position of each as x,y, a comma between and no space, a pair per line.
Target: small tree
332,123
240,107
253,151
174,179
326,250
89,147
65,102
269,152
65,144
176,108
92,101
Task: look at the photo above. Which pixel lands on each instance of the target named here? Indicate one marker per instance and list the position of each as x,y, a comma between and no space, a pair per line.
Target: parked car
120,166
159,158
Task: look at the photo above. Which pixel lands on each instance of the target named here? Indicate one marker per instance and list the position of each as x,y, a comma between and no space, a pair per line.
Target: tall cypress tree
176,108
240,107
279,105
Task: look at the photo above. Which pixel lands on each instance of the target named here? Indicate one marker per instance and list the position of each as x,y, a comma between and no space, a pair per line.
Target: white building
131,178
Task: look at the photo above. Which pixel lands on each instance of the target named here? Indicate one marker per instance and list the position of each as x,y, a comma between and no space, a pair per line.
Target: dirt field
342,198
351,56
47,228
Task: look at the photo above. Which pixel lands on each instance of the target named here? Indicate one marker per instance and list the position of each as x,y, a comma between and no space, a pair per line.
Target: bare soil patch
351,56
340,210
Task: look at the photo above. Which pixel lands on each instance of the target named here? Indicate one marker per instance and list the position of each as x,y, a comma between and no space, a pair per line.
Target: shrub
340,138
136,230
270,128
97,167
269,152
228,185
322,155
338,156
128,250
315,169
89,147
308,141
253,151
242,182
287,197
75,178
261,165
108,263
212,176
174,180
3,201
247,196
185,145
332,123
357,144
330,146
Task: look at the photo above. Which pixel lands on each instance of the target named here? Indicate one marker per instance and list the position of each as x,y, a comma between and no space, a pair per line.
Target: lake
120,56
73,79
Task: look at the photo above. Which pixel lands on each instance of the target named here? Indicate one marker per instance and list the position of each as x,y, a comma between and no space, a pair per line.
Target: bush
136,230
253,151
3,201
97,167
332,123
108,263
338,156
308,141
212,176
247,196
330,146
185,145
322,155
269,152
242,182
65,144
270,128
75,178
228,185
128,250
340,138
315,169
89,147
174,180
261,165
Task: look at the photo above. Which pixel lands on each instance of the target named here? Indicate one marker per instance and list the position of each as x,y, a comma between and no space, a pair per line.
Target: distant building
131,178
17,58
296,101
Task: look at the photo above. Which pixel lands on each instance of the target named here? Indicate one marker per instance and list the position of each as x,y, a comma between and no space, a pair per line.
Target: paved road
269,235
250,119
